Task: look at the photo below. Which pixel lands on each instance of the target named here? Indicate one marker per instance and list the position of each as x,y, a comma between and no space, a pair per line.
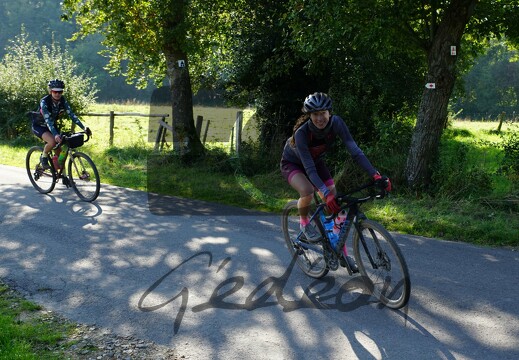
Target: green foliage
29,339
510,146
384,150
456,178
24,73
41,19
491,86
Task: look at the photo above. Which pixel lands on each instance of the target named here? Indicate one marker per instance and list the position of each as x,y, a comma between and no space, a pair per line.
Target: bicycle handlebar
346,200
65,136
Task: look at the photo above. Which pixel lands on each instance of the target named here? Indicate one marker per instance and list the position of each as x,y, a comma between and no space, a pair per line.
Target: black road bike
379,259
77,171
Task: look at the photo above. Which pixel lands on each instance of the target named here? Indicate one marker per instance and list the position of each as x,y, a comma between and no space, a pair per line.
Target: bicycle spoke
310,256
43,180
381,261
84,176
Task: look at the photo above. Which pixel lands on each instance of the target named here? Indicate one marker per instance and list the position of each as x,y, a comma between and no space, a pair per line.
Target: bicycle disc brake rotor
384,262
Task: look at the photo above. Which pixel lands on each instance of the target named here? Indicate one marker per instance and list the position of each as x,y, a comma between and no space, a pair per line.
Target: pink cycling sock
345,251
304,221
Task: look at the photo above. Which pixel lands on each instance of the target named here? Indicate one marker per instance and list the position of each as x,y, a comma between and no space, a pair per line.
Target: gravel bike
379,259
77,170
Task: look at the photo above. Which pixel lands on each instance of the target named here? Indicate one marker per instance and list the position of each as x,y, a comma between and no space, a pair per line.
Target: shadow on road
223,287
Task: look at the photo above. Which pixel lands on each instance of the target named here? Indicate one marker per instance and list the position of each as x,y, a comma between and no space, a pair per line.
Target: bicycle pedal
333,264
66,182
342,261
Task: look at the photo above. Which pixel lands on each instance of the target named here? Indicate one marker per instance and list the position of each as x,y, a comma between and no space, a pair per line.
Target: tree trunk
185,138
432,114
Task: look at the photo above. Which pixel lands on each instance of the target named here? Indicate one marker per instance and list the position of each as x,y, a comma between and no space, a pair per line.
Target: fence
236,132
113,114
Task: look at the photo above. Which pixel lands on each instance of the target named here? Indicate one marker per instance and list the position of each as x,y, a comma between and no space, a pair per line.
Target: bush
455,179
387,152
24,73
510,145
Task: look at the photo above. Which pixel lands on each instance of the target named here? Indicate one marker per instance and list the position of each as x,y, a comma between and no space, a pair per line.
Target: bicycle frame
77,169
354,217
377,256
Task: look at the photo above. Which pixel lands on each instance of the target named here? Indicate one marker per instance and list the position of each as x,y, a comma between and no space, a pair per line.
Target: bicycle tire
310,260
84,177
43,180
389,280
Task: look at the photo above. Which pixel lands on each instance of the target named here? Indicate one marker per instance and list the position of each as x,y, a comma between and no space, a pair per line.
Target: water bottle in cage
340,222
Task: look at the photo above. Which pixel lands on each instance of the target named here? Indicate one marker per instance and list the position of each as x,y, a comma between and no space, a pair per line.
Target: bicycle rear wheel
43,180
310,256
84,176
382,265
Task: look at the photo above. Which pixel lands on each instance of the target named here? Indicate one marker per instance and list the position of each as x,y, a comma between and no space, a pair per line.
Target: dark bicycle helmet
56,85
318,101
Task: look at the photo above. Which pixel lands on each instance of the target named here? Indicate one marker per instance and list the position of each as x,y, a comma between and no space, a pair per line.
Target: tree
155,38
435,27
445,36
492,84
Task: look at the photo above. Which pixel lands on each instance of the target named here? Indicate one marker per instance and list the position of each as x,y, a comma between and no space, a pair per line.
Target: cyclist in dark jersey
302,161
44,124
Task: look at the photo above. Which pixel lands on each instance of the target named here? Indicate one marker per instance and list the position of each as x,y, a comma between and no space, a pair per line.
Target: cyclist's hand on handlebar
332,204
382,181
57,138
88,131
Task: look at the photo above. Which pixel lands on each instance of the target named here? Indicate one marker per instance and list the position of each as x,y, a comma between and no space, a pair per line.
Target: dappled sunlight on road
217,284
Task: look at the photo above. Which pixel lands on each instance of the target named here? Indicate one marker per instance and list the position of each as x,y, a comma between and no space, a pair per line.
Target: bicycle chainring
332,261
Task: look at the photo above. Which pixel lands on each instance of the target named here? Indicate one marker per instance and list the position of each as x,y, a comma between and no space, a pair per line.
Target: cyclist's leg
44,134
304,187
49,142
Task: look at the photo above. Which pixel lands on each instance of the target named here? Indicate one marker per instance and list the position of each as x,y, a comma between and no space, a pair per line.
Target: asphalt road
216,282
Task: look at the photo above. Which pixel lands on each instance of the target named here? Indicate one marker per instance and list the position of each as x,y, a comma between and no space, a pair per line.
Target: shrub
455,179
510,146
24,73
387,152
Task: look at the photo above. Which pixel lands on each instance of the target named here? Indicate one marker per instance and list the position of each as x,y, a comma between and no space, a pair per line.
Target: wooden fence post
501,119
158,137
206,130
199,120
237,131
232,140
112,122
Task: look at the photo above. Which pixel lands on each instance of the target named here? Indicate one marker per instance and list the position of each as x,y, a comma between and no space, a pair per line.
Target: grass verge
25,332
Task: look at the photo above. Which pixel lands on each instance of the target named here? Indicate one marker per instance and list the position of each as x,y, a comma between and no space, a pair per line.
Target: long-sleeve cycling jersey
308,148
51,111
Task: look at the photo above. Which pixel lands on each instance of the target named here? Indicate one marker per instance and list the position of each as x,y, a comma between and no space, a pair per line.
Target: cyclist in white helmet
44,125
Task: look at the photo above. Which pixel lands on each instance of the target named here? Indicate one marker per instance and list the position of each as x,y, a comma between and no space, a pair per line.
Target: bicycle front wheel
310,256
43,180
84,176
381,264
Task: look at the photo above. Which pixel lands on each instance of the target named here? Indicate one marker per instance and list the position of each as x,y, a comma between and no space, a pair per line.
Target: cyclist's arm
301,139
357,154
